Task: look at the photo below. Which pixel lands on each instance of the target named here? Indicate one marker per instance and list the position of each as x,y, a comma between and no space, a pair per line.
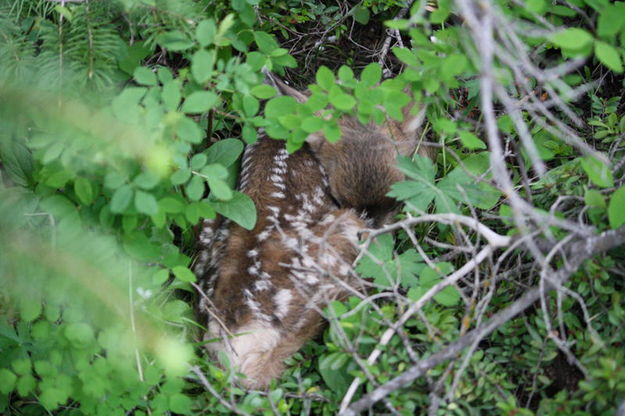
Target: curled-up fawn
266,287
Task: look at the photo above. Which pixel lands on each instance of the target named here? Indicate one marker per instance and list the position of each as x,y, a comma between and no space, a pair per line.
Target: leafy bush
497,291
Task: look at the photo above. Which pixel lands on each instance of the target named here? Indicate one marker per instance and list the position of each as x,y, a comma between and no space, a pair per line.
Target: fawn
267,286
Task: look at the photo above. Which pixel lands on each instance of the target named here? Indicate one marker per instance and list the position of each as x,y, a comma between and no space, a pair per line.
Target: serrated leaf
609,56
239,209
79,334
199,102
616,208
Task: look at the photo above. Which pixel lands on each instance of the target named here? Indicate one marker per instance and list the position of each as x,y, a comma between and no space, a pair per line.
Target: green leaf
325,78
371,75
171,96
205,32
171,205
202,64
145,76
219,189
593,198
263,91
471,141
609,56
121,199
145,203
611,20
189,131
225,152
146,180
8,381
199,102
598,172
266,43
195,188
83,190
79,334
430,277
573,39
406,56
180,176
343,102
184,274
312,124
198,161
239,209
361,14
174,40
616,208
25,385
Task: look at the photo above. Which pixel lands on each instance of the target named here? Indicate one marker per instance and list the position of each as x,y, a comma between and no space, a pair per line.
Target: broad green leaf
205,32
83,190
406,56
593,198
184,274
174,40
598,172
195,188
25,385
250,105
200,102
263,91
453,65
188,130
145,76
343,102
325,78
79,334
609,56
471,141
430,277
198,161
371,75
180,176
8,381
266,43
202,65
572,39
616,208
239,209
145,203
219,189
121,199
279,106
171,95
225,152
361,14
312,124
146,180
171,205
611,20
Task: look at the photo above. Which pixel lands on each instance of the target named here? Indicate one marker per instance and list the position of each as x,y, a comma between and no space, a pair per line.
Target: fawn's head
361,166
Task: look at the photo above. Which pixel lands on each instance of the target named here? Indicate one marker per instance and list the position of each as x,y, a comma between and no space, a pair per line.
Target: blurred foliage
123,123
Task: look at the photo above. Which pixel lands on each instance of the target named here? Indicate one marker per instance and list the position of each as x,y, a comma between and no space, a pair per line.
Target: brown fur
271,283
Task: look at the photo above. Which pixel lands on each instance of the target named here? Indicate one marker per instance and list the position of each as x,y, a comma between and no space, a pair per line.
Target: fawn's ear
283,89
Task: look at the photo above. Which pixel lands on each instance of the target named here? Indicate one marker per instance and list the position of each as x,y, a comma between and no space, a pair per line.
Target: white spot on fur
252,253
282,300
278,195
261,285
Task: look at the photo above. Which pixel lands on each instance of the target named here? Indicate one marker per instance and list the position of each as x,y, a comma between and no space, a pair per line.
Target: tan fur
269,285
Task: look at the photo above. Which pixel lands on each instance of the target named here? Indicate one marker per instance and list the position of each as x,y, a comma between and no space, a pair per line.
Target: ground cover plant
498,289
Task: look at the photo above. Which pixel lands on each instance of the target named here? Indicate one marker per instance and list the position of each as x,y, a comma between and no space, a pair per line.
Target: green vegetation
122,126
